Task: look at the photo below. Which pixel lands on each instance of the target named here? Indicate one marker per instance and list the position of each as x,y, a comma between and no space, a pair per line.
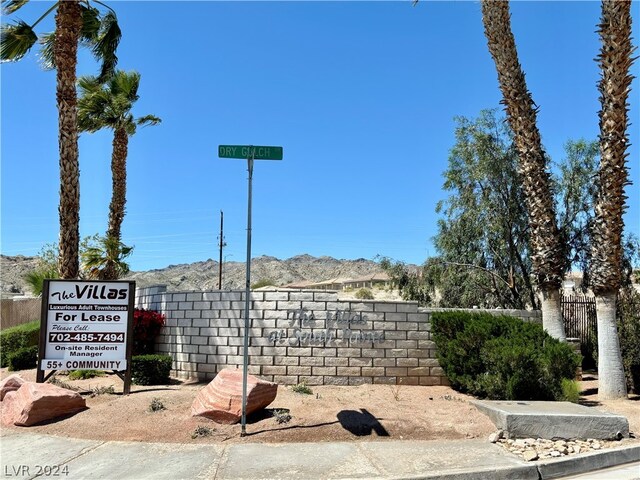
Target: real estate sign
86,325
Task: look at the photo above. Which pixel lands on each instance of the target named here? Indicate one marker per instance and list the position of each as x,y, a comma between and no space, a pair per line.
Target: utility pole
221,244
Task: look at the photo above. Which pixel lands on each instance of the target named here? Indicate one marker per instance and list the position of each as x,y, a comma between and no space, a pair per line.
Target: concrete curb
588,462
522,472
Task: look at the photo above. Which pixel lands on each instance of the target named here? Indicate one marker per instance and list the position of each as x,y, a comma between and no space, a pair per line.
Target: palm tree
547,251
109,106
606,268
76,22
105,261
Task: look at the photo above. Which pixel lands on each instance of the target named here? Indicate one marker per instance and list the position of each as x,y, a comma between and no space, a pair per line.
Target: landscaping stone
34,403
543,449
221,399
553,420
10,384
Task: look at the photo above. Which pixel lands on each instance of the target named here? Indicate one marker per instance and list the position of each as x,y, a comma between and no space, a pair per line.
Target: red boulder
9,384
221,400
37,402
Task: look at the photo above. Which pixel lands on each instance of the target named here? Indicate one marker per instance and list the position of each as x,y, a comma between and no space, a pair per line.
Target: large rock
221,400
38,402
9,384
553,420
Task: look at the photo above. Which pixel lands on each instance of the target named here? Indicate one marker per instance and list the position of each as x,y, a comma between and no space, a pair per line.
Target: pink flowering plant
147,325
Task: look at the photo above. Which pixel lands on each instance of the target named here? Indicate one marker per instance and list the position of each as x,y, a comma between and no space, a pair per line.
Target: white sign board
87,325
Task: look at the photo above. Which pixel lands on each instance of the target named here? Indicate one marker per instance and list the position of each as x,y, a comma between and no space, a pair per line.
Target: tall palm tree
76,22
109,106
615,62
547,250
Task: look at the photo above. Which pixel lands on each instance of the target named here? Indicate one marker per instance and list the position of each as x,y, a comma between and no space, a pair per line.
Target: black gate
579,315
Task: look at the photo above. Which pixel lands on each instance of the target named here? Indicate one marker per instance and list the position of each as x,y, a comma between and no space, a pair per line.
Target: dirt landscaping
329,413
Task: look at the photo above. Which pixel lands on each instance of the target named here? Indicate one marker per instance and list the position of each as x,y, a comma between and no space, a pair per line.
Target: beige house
367,281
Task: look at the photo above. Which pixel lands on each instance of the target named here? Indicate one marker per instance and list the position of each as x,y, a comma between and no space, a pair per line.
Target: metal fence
579,314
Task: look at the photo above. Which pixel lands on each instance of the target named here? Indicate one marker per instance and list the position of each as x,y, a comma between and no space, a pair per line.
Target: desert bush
264,282
156,405
14,338
23,359
202,431
59,383
85,374
282,415
501,357
151,369
629,335
302,388
103,390
364,294
147,325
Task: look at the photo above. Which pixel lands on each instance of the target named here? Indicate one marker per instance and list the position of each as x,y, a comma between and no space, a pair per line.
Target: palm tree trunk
611,380
546,249
552,314
615,63
68,27
119,183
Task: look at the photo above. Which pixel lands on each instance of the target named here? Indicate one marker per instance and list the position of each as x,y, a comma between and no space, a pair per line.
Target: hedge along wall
299,336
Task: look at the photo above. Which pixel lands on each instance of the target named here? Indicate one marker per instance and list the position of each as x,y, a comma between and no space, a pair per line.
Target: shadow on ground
361,423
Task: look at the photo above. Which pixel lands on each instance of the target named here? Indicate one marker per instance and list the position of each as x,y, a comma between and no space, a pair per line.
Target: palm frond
10,6
90,25
16,41
47,57
106,260
88,84
35,279
104,49
148,120
126,84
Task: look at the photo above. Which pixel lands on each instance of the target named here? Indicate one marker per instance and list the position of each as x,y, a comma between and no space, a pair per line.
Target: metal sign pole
245,359
251,153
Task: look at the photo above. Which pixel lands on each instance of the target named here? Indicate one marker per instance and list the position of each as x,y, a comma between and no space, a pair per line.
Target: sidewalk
27,455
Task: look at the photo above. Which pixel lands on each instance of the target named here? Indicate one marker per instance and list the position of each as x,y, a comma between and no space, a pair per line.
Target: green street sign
245,151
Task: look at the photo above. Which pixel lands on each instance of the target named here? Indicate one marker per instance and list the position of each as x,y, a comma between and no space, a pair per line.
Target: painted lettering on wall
307,329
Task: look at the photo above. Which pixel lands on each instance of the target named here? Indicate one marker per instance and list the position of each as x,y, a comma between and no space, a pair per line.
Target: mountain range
204,275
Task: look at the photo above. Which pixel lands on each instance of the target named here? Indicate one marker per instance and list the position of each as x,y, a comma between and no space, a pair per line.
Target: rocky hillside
13,271
204,275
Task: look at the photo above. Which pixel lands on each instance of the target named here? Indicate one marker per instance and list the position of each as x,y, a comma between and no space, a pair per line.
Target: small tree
106,260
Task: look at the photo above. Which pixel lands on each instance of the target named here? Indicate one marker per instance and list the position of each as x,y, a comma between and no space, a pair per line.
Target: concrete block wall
297,336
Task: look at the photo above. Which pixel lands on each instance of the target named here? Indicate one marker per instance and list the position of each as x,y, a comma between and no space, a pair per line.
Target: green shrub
501,357
629,335
364,294
23,359
84,374
302,388
151,369
14,338
570,391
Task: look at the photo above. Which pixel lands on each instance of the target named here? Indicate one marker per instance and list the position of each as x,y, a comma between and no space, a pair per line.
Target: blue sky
361,95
